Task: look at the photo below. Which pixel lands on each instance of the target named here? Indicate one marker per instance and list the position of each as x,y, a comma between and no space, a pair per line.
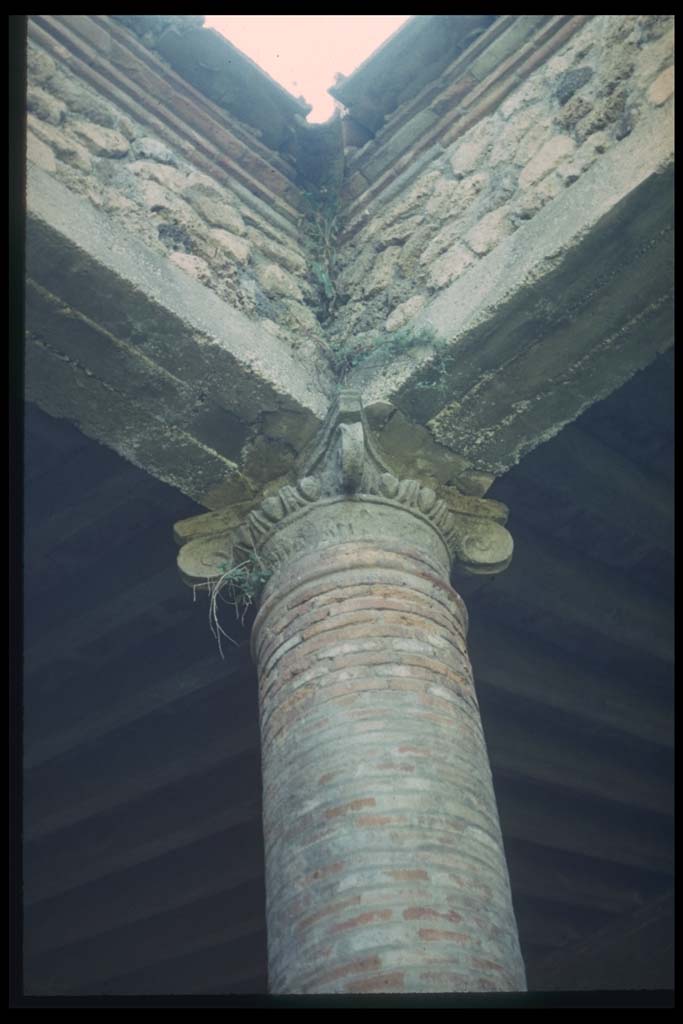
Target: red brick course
361,919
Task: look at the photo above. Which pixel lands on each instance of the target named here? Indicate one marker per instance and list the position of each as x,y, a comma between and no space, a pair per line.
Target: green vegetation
321,226
347,355
239,587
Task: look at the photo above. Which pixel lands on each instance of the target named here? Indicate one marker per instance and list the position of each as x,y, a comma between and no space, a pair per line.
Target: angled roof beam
149,361
555,318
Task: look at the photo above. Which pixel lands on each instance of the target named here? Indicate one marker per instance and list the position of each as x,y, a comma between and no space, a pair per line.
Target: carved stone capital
346,490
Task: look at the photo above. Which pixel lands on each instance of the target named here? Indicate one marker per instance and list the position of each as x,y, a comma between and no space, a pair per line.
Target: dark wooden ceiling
143,862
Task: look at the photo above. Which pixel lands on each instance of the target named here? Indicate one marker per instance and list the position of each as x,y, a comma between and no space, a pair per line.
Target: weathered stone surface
169,176
657,53
40,65
65,390
491,230
64,147
266,459
216,212
609,111
413,198
198,183
549,156
569,117
285,256
492,393
133,157
157,198
412,450
523,149
405,312
276,281
236,247
468,154
400,230
583,157
532,200
569,81
83,102
195,266
45,106
147,148
111,201
382,271
534,132
662,88
451,197
449,235
100,141
524,94
448,267
40,154
300,317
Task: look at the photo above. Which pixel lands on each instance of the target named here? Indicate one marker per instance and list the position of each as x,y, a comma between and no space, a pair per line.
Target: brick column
385,868
384,861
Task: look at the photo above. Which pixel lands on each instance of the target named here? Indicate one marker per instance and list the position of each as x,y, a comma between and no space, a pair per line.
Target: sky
304,52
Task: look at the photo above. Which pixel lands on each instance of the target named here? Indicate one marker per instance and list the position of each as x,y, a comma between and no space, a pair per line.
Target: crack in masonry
122,344
38,339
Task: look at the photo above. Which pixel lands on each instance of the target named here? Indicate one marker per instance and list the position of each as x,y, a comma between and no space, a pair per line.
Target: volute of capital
345,463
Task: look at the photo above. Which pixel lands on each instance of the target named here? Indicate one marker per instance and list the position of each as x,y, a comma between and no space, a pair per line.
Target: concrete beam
152,363
555,318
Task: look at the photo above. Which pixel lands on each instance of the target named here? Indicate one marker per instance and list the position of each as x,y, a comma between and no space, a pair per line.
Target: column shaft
384,861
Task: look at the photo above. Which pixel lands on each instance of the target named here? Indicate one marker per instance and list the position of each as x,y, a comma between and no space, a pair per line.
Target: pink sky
304,52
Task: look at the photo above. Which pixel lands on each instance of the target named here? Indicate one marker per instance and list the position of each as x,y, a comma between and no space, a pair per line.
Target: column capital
373,755
345,489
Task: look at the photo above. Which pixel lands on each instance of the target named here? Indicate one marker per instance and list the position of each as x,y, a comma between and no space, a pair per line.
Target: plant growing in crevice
346,355
321,225
238,587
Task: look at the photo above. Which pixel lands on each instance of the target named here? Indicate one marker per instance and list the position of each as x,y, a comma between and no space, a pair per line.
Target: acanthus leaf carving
345,463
